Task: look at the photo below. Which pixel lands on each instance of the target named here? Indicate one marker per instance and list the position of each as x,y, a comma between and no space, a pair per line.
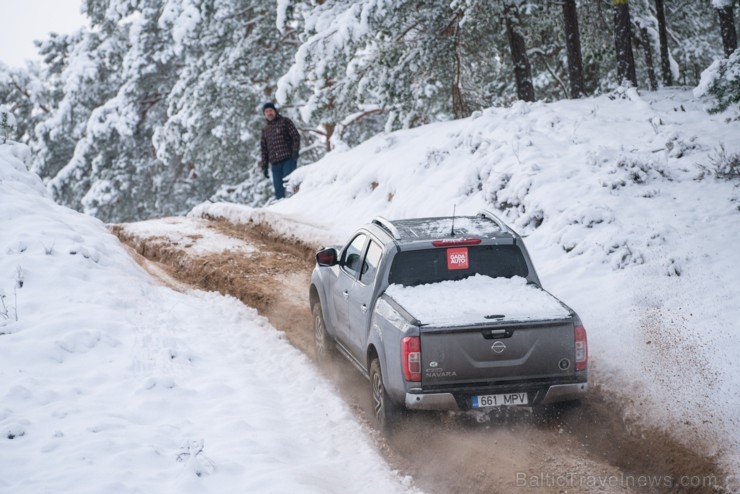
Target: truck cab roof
421,244
484,225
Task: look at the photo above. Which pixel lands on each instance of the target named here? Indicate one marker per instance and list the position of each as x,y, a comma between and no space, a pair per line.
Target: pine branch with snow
721,83
7,124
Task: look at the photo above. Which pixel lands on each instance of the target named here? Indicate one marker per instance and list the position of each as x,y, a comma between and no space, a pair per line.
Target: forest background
156,106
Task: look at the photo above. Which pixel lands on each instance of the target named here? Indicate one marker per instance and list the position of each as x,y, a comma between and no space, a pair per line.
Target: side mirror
327,257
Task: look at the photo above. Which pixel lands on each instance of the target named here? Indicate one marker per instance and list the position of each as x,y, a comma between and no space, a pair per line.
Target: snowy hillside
112,383
629,218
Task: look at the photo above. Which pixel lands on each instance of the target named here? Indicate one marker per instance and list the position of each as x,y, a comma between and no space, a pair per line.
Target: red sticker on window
457,258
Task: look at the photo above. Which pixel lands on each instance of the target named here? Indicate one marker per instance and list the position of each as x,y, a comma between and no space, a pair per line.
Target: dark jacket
280,141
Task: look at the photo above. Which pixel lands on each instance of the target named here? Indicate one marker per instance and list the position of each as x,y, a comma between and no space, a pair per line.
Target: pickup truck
446,313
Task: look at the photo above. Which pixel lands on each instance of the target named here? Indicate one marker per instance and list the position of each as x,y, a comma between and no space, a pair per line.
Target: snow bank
111,383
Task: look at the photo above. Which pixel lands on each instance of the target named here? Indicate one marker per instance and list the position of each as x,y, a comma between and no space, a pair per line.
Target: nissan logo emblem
498,347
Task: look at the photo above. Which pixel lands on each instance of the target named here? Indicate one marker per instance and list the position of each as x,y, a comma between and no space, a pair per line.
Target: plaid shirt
280,141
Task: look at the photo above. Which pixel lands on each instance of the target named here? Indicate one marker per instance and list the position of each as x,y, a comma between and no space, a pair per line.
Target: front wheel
385,411
323,344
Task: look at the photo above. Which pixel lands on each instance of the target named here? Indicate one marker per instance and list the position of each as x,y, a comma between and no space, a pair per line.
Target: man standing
280,145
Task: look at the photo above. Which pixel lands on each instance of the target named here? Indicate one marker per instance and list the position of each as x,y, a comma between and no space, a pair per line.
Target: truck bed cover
476,300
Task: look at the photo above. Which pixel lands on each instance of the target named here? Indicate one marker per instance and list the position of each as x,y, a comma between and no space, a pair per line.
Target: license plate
485,401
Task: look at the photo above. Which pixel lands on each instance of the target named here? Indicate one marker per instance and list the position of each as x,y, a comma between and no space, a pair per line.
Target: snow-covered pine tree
232,53
665,60
81,72
180,114
691,31
623,42
21,93
114,173
518,47
7,124
413,63
447,59
694,39
726,15
721,83
573,48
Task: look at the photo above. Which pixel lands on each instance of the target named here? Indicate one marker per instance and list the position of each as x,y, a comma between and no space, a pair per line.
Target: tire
323,344
385,412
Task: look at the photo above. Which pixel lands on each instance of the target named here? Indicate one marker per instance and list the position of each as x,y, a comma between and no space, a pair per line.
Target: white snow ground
625,218
111,383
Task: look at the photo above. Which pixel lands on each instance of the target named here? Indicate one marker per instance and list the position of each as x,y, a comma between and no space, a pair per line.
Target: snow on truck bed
469,301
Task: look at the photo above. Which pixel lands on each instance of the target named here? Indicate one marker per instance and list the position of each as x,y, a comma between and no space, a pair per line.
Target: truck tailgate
492,354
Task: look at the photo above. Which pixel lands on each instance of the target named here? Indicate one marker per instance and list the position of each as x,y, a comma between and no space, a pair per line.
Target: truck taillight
581,349
411,358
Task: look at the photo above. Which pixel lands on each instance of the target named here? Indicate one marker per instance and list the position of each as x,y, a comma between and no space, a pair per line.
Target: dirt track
585,449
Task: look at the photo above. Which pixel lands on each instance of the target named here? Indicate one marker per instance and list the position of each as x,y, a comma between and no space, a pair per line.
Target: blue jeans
280,171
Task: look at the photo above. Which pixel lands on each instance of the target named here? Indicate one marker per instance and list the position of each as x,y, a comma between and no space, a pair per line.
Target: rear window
419,267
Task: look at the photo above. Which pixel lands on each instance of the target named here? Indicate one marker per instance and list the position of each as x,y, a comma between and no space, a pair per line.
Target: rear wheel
385,411
323,344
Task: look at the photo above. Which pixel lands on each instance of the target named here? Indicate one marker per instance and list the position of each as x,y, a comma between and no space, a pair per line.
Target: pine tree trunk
459,105
727,25
665,62
573,46
623,42
647,47
522,68
330,127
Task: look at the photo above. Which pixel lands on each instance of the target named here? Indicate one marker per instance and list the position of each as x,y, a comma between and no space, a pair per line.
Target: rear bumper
449,401
431,401
564,392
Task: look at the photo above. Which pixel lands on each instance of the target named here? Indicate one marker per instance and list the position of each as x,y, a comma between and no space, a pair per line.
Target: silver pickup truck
446,313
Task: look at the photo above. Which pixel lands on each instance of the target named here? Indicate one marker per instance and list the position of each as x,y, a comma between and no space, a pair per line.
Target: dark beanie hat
267,105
